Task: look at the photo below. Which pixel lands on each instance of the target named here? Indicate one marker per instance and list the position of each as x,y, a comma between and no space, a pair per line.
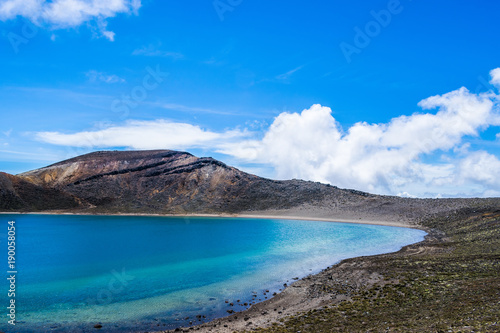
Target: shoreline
400,224
294,298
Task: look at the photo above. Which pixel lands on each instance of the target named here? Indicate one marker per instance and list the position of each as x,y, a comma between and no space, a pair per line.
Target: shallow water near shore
138,273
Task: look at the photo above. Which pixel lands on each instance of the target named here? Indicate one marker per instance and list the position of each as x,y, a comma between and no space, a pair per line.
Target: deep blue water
135,273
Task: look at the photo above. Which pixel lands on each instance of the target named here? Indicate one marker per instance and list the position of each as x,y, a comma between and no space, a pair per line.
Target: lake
133,273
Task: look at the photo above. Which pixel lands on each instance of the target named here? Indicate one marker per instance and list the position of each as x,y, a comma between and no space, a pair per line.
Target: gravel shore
321,302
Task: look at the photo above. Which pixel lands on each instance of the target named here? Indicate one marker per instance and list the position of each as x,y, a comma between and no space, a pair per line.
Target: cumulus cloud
61,14
423,154
158,134
384,158
495,77
480,167
380,158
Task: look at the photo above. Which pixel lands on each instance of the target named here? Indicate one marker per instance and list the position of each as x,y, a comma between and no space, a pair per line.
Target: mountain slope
166,181
17,194
172,182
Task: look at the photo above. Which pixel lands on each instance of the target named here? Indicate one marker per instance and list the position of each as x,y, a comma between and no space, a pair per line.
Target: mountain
164,181
172,182
17,194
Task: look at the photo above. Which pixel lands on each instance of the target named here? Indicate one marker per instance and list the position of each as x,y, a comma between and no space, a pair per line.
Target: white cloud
423,154
61,14
158,134
186,108
406,195
480,167
286,76
94,76
495,77
381,158
154,51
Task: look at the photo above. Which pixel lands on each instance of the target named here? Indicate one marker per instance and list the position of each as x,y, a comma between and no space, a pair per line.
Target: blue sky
327,91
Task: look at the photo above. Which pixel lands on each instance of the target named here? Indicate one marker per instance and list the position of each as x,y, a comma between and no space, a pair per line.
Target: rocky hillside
17,194
173,182
164,181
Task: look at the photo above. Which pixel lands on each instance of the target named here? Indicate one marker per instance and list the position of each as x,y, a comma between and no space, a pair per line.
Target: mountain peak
173,182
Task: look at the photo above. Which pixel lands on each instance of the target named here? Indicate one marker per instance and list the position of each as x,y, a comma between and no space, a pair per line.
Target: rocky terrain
448,283
18,194
171,182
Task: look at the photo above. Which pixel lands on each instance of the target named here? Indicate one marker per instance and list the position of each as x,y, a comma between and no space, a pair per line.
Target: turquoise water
135,273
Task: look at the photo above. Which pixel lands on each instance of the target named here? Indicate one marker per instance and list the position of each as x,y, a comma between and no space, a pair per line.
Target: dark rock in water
98,326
